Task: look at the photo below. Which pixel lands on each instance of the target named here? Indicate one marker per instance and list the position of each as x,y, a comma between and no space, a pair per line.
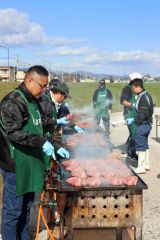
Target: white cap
135,75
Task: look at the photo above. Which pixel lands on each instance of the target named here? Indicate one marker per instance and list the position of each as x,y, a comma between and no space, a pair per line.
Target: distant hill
98,76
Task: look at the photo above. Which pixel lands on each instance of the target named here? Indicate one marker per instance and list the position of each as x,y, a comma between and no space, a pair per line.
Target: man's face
102,85
36,84
136,89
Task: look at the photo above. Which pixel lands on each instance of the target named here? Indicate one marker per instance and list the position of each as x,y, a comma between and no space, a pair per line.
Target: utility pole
62,77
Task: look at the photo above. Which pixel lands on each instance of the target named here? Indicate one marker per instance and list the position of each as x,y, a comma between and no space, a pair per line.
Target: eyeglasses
41,86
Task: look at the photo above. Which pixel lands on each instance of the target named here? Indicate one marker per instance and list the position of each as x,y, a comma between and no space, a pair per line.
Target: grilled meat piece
78,172
96,172
93,172
130,180
71,163
93,181
76,181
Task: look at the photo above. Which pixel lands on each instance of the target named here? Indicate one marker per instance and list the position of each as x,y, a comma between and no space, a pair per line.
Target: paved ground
151,208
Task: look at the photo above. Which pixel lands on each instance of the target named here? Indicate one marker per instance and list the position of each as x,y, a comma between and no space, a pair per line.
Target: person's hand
78,129
133,105
48,149
130,121
109,111
62,121
63,152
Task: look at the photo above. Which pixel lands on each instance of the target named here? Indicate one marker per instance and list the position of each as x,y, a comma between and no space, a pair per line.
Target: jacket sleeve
110,97
145,111
63,111
126,94
95,97
14,116
46,109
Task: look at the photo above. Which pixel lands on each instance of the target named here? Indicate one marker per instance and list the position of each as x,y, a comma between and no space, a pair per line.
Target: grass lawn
82,93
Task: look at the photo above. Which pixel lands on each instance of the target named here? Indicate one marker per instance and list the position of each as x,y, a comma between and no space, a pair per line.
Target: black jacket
63,111
14,115
126,95
108,96
144,108
46,107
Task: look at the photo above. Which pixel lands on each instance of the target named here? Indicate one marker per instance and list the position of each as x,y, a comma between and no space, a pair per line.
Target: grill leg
119,234
61,202
138,234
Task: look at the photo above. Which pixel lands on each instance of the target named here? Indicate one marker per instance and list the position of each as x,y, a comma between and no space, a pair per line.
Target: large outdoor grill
90,212
106,211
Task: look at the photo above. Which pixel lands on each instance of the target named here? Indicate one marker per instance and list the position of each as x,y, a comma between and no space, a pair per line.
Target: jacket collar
27,93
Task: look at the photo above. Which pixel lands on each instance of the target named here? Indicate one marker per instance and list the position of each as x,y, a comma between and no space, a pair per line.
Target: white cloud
120,62
17,30
13,21
34,36
62,41
66,51
138,55
123,56
95,60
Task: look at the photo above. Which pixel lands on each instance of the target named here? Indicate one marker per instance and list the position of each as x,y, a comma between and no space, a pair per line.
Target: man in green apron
102,102
128,100
25,153
143,122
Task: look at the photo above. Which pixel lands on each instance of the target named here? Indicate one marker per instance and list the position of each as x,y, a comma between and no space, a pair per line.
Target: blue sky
102,36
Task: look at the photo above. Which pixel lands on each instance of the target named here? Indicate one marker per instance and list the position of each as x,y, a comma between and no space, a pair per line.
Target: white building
7,73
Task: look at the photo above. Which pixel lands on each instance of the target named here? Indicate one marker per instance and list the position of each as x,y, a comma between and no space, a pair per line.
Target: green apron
131,114
50,131
101,108
30,162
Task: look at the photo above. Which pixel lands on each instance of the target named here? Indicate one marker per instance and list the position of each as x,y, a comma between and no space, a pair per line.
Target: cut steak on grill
76,181
93,181
78,172
131,180
71,163
81,182
95,172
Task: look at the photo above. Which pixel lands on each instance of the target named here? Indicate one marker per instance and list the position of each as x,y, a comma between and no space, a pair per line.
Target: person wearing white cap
143,121
135,75
128,100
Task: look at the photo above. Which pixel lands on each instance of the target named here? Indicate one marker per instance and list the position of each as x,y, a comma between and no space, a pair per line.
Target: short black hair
40,70
102,81
137,82
53,82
